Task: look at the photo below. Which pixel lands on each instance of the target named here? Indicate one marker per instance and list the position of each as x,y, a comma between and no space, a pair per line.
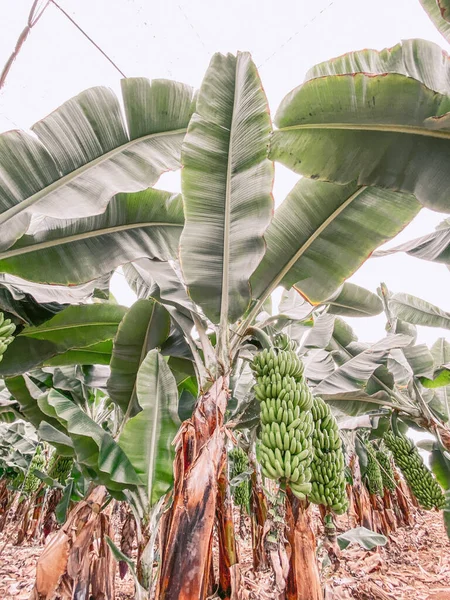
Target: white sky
175,39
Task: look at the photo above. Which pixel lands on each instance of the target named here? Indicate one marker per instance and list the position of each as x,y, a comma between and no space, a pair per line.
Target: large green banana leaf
26,392
84,152
388,130
419,59
323,232
145,326
433,9
434,246
354,374
227,183
144,224
147,437
75,327
417,311
96,354
94,447
351,300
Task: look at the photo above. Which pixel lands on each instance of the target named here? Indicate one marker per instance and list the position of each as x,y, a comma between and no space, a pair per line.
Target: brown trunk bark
353,520
186,549
360,495
258,516
77,561
228,555
303,581
389,514
402,500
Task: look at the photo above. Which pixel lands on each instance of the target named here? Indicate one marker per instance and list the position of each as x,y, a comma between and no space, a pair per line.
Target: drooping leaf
354,374
320,334
96,354
385,130
145,326
74,327
441,378
85,153
356,403
147,437
351,300
432,8
420,359
419,312
94,447
323,232
366,538
26,393
144,224
434,247
227,184
440,351
416,58
63,505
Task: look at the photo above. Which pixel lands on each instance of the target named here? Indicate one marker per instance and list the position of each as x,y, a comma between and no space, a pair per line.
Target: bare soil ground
415,565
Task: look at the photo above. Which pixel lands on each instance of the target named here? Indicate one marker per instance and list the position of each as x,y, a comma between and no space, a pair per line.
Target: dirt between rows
414,565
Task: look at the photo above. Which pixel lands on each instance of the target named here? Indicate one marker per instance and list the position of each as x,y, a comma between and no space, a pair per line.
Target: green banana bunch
328,465
284,342
239,465
285,450
59,467
419,478
32,482
7,328
373,473
387,472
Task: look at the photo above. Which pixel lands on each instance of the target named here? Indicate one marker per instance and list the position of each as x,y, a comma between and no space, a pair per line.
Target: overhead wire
294,35
108,58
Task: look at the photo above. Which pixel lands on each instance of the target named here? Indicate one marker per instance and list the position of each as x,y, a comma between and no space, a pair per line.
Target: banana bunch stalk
239,465
373,473
7,328
59,467
328,465
285,451
32,482
419,478
387,472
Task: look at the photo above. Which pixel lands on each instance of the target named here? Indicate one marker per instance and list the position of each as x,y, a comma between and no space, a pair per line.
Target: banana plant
208,260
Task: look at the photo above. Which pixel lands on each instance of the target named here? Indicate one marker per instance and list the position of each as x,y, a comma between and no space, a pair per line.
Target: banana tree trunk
77,562
186,549
402,500
258,516
229,574
360,495
303,581
388,510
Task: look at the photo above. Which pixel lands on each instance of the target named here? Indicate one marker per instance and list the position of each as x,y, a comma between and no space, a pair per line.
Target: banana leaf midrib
383,128
83,236
65,179
283,272
28,333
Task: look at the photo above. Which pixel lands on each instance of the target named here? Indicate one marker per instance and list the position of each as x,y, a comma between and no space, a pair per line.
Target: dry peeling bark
229,574
303,581
258,516
188,525
77,562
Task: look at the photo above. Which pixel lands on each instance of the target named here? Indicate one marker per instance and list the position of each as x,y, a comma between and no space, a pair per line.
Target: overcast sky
175,39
